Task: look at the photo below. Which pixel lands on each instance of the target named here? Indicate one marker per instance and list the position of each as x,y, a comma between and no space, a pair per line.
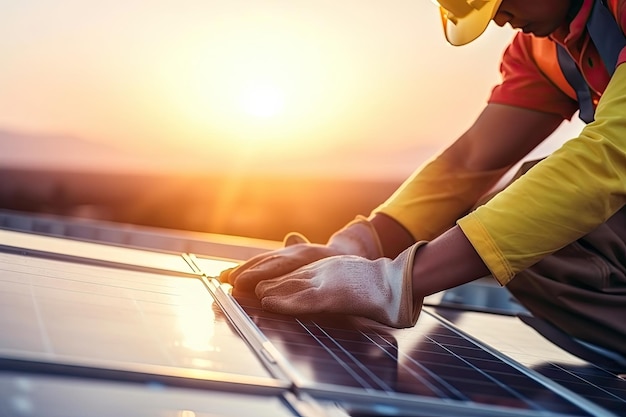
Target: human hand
357,238
273,264
378,289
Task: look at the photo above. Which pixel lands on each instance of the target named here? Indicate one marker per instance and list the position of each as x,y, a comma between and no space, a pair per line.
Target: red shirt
531,75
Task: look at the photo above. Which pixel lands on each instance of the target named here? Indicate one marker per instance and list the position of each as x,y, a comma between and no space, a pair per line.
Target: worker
555,236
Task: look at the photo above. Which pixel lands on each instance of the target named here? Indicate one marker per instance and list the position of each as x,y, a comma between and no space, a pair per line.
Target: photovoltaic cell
144,312
65,312
509,335
91,251
431,360
24,395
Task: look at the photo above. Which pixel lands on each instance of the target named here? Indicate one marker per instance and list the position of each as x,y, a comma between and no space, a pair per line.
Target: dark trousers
581,289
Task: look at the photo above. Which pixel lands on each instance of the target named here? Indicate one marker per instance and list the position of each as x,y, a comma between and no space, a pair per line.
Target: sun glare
265,83
263,100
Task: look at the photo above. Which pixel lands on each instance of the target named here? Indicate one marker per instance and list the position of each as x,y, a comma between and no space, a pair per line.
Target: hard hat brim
469,27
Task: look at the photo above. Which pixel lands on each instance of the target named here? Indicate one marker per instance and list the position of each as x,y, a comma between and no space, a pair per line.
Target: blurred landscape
259,207
244,118
259,198
39,175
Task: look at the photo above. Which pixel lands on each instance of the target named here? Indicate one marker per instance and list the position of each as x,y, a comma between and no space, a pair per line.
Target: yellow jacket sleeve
436,195
559,200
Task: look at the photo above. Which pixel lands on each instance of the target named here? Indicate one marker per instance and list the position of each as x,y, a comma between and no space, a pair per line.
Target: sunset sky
236,82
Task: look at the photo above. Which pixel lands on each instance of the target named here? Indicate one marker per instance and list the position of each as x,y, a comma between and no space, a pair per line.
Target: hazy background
242,117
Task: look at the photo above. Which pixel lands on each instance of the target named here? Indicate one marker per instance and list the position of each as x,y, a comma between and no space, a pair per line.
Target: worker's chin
539,34
540,31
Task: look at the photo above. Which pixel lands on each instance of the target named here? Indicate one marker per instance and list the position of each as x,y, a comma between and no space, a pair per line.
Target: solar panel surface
28,395
332,355
601,385
70,312
101,312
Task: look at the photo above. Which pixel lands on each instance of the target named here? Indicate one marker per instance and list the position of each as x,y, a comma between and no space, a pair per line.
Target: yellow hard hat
465,20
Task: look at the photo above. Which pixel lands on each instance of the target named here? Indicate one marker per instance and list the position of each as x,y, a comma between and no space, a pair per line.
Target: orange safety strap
545,56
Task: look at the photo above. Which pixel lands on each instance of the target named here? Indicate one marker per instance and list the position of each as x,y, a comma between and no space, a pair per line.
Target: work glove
356,238
378,289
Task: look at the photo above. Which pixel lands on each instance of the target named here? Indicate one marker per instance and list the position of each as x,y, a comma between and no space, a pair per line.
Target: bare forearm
446,262
394,238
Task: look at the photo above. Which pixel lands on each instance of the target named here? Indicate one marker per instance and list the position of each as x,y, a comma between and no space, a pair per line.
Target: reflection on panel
62,311
23,395
212,267
430,360
519,341
67,316
95,251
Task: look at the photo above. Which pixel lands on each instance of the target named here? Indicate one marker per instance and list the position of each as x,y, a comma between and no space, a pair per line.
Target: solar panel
108,318
430,361
91,252
599,384
431,365
28,395
102,317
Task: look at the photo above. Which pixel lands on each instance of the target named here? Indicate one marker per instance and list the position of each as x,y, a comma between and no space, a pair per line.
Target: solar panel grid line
451,377
447,368
67,285
8,249
51,395
85,284
444,394
152,333
319,354
306,406
374,376
273,360
516,339
138,284
446,388
359,403
367,350
282,363
330,390
571,396
91,252
423,380
209,267
344,351
608,391
29,362
619,395
496,381
345,364
102,369
515,382
496,384
190,260
45,337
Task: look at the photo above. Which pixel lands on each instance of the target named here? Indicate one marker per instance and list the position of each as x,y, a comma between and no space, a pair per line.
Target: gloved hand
380,289
356,238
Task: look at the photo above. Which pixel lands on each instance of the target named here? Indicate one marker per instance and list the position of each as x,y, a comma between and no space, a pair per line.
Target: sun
262,100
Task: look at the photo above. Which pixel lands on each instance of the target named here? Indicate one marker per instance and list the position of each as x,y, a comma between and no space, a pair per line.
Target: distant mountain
65,152
50,151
